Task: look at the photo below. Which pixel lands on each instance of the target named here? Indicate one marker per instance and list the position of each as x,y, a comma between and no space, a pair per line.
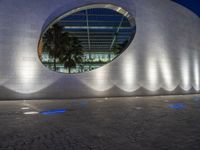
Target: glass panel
86,39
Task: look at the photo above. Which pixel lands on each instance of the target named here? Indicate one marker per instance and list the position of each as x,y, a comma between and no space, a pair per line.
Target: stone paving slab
143,123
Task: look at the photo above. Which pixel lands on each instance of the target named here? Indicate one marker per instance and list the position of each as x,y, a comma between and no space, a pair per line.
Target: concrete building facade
163,58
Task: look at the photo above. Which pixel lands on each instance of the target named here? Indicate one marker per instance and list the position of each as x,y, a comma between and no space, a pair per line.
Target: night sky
193,5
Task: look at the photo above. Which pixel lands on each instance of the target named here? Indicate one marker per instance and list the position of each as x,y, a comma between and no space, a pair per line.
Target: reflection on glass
86,39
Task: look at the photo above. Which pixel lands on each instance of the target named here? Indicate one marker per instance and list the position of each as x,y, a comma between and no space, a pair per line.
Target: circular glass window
86,38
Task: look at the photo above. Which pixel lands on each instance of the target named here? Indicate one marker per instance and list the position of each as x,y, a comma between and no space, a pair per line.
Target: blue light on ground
196,98
83,103
52,112
177,106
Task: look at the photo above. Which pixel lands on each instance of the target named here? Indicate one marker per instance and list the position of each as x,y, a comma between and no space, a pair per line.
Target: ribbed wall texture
164,57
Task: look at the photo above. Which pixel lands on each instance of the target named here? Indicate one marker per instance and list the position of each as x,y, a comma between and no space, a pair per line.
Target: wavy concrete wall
164,57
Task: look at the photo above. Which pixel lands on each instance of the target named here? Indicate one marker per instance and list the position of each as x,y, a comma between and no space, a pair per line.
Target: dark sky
193,5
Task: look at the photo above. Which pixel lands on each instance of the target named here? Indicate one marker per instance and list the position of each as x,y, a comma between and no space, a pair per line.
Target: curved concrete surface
162,59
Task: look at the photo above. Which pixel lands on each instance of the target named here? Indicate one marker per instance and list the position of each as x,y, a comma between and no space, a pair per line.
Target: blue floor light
177,106
52,112
196,98
83,103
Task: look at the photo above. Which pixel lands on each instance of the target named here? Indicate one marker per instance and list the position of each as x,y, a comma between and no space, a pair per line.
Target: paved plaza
140,123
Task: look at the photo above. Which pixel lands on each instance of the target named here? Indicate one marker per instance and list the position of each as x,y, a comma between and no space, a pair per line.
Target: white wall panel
164,57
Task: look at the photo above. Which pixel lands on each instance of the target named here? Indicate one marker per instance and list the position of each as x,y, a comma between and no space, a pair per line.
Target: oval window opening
86,38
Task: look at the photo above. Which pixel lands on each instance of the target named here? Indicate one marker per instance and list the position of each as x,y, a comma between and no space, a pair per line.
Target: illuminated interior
87,38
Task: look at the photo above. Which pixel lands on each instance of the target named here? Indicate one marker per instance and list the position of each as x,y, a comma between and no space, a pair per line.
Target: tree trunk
54,64
69,70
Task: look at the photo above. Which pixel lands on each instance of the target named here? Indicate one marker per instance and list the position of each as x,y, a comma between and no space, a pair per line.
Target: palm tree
117,49
72,52
52,40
